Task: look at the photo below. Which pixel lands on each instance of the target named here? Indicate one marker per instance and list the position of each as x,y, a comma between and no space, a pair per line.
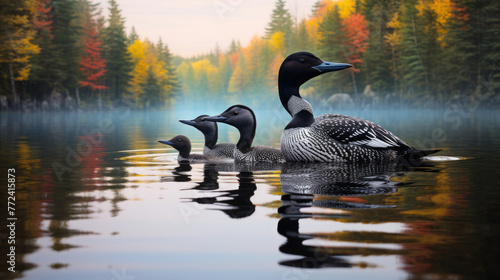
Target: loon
331,137
243,118
182,144
210,131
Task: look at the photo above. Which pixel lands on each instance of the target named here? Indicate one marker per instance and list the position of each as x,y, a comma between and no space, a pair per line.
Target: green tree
473,45
152,91
281,21
419,49
330,47
379,68
118,60
67,34
165,56
133,36
57,66
303,40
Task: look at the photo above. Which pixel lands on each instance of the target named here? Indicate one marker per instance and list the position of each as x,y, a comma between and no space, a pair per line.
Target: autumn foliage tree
411,51
356,38
16,46
356,41
92,65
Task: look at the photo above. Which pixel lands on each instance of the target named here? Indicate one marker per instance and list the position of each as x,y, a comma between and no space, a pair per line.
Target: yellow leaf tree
16,42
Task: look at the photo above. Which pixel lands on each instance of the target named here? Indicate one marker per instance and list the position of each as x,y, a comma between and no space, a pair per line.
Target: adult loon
210,131
243,118
182,144
330,137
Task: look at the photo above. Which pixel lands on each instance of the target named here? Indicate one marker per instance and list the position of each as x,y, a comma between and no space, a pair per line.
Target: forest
65,55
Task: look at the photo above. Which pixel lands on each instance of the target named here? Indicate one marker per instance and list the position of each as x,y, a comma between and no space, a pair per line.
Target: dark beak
167,142
188,122
331,66
218,118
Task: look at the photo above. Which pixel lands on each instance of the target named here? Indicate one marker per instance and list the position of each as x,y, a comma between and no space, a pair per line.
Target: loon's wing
356,131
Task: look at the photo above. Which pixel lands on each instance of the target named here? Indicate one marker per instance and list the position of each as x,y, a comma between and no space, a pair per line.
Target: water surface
98,198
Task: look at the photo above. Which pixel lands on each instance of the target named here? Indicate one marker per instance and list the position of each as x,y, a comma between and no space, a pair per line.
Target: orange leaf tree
92,64
356,38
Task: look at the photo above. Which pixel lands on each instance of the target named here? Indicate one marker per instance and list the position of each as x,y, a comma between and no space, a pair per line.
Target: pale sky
191,27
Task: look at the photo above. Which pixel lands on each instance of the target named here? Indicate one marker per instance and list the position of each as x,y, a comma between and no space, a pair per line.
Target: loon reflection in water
336,190
234,203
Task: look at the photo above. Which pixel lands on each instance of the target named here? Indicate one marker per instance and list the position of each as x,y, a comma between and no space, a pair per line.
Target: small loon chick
210,131
182,144
243,118
330,137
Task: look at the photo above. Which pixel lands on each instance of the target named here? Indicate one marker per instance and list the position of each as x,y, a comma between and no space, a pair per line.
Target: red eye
236,112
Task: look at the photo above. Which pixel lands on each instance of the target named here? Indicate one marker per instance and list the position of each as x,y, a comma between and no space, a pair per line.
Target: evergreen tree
281,21
381,74
57,64
473,52
419,48
67,34
492,42
165,56
118,59
330,47
234,47
304,41
133,36
152,91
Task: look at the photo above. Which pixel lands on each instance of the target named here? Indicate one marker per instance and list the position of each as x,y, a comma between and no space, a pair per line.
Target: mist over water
90,182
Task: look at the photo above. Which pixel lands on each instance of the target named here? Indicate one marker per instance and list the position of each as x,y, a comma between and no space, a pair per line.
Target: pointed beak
331,66
188,122
166,142
218,118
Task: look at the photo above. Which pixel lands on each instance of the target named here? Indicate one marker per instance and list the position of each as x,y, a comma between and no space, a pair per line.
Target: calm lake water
97,197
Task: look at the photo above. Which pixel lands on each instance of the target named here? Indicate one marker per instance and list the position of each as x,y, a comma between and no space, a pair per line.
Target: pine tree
119,64
419,48
66,37
165,56
281,21
381,74
57,66
473,43
304,41
234,47
492,44
132,37
152,91
330,47
43,75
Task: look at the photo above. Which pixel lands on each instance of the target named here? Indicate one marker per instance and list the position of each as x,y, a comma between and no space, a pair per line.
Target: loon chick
210,131
330,137
243,118
182,144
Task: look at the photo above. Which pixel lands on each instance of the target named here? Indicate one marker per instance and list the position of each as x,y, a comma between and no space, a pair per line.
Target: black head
200,124
239,116
299,67
181,143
